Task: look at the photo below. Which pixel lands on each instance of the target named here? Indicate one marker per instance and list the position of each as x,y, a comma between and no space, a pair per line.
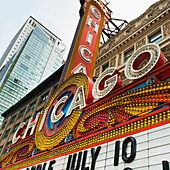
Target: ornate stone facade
113,62
166,29
97,72
136,34
119,59
140,43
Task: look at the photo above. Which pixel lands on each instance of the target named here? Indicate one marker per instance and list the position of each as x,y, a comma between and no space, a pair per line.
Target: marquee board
100,125
151,149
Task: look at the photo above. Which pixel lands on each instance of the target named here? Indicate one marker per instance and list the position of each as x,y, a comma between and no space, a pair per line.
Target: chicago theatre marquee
119,121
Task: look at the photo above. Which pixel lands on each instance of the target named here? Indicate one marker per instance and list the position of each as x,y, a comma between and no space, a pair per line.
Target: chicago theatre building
106,108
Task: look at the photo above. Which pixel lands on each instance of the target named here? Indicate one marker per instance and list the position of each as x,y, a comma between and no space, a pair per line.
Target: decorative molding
166,29
140,43
113,62
119,59
97,72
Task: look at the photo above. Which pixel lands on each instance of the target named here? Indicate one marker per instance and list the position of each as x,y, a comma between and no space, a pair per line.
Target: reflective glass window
6,134
128,53
155,37
105,66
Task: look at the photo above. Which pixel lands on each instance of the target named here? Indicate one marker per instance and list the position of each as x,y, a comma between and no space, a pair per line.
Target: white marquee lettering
93,10
78,100
82,50
96,25
89,37
31,125
80,68
17,136
109,83
43,119
156,59
55,118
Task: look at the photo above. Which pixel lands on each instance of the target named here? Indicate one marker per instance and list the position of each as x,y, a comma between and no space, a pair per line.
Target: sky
59,16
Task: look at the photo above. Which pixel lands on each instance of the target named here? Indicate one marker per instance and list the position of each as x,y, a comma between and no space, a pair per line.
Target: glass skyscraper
39,55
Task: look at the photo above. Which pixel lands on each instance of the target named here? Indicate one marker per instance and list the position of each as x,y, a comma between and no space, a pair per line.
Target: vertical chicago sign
86,46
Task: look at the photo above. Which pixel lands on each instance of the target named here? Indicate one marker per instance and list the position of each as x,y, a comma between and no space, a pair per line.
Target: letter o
133,149
110,83
151,51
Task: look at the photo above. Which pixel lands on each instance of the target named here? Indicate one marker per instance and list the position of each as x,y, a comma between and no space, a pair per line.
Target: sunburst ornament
50,133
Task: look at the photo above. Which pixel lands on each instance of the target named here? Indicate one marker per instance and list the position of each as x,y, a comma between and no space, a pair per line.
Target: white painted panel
159,158
138,163
159,142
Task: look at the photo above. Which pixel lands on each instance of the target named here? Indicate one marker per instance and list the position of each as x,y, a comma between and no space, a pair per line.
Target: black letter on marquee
127,169
50,165
73,161
33,168
78,161
39,167
94,156
69,161
165,165
44,166
84,161
133,149
117,149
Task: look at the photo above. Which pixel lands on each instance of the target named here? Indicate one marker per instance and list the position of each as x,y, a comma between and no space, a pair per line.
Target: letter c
82,50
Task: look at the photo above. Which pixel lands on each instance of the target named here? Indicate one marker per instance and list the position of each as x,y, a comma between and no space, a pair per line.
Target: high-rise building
39,54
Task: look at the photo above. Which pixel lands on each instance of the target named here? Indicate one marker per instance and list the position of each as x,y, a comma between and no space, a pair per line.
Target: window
27,119
5,151
23,66
27,57
55,87
1,148
6,133
44,98
105,66
128,54
9,143
3,125
38,112
31,106
155,37
13,119
21,113
15,128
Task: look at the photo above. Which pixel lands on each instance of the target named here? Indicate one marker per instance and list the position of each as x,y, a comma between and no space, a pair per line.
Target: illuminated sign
67,103
85,52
